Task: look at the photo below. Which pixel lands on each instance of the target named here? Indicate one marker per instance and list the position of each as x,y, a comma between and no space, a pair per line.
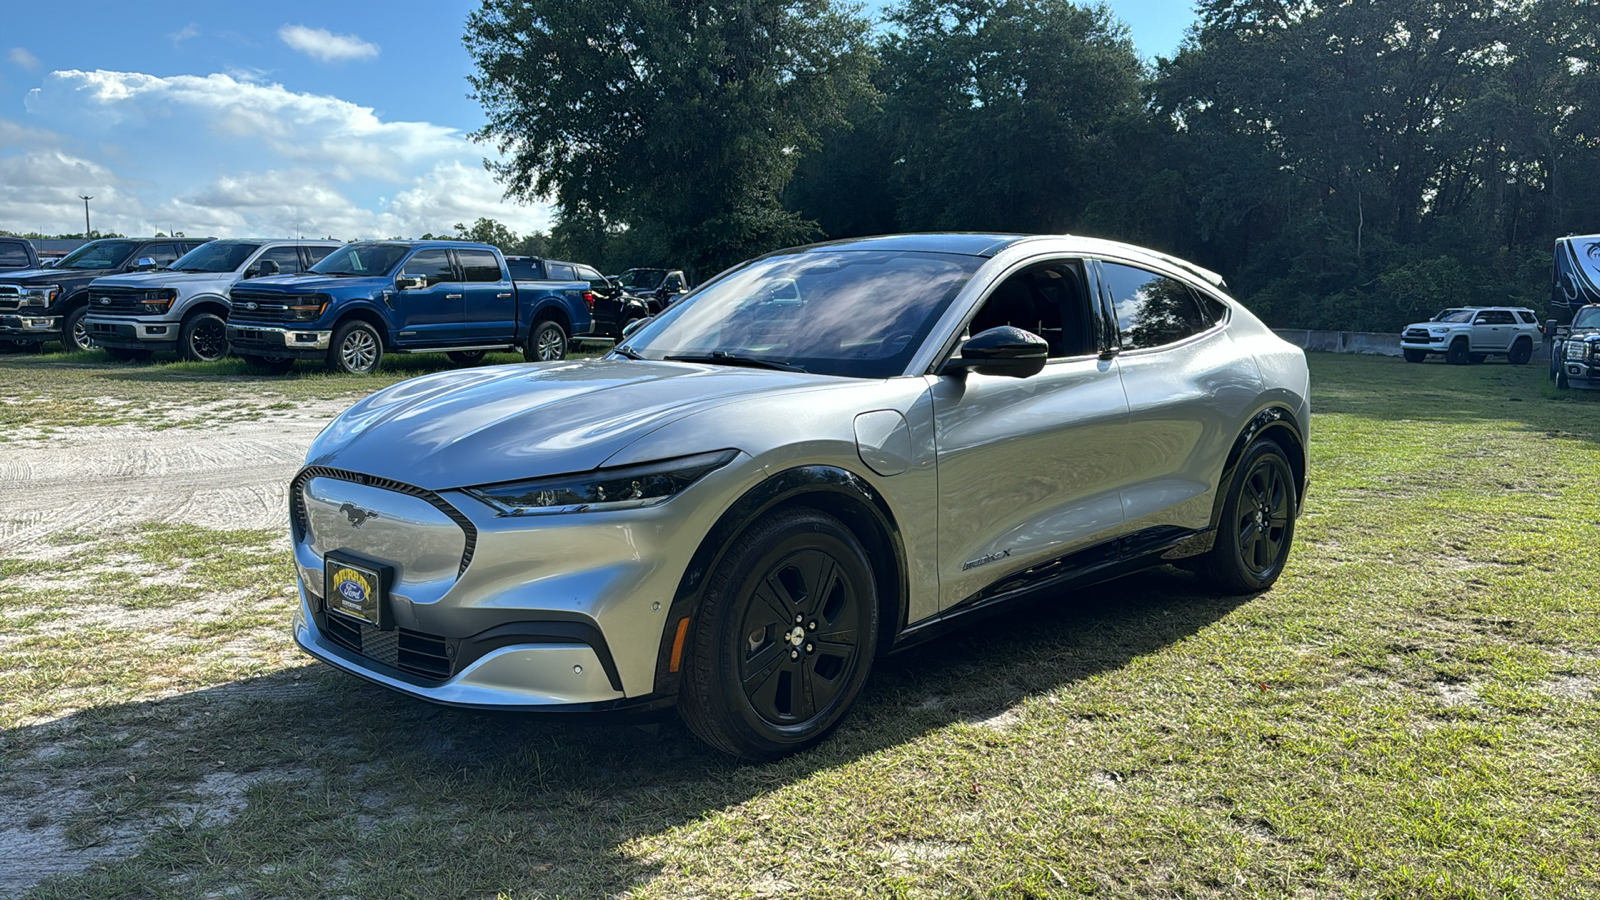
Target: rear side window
561,272
478,265
1152,310
434,265
12,255
163,254
314,255
287,258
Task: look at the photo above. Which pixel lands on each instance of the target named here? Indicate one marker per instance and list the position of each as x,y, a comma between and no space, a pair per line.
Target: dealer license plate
354,590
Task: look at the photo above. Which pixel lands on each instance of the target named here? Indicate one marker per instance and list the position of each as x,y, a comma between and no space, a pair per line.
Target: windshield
860,313
1588,317
1459,315
98,255
362,259
646,279
217,256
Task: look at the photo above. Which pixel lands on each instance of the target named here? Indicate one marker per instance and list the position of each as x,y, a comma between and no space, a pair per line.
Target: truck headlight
309,310
40,295
623,487
158,301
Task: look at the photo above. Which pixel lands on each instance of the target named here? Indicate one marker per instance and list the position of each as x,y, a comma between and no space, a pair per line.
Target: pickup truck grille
10,298
249,306
122,301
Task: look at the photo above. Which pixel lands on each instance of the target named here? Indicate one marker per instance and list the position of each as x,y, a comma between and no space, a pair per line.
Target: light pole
85,198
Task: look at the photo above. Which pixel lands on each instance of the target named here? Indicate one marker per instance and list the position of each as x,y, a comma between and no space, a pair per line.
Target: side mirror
411,282
265,268
145,263
1005,350
1549,327
633,326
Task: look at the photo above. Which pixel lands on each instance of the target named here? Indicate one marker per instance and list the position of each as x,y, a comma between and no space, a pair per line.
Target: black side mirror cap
1006,350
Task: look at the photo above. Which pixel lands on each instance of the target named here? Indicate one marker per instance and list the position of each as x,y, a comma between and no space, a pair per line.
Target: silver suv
819,457
185,307
1471,334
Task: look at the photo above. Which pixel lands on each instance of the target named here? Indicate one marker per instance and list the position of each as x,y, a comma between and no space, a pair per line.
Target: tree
685,118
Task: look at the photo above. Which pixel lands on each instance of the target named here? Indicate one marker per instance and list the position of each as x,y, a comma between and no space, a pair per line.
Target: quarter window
1152,310
479,266
434,265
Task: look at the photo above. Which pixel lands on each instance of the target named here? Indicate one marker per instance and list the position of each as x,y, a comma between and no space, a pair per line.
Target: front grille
122,301
1416,334
412,652
268,307
10,298
302,525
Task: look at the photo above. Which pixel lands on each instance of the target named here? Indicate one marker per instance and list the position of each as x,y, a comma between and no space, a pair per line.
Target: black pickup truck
38,305
17,253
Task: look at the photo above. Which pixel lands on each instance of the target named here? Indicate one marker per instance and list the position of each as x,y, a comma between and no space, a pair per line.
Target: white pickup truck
1471,334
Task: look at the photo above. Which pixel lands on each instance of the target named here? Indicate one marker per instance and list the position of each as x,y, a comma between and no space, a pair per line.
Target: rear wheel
203,338
74,333
466,357
1415,356
356,349
1458,354
268,365
547,342
784,638
1256,530
1521,352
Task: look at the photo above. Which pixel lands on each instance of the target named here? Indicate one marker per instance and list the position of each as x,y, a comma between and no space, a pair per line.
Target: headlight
158,301
602,489
40,295
1578,351
310,309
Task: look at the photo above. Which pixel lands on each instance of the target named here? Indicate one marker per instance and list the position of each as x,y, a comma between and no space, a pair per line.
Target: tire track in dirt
94,480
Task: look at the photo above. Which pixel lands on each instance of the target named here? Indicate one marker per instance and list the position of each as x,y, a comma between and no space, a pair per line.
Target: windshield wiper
629,352
724,357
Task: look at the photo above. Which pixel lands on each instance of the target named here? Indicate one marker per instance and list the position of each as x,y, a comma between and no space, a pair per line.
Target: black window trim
1096,314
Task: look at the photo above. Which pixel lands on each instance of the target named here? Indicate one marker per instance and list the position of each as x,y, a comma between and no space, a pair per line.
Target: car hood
45,276
164,279
309,281
503,423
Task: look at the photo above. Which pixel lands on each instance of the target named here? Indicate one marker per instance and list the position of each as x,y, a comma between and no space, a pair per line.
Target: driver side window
1048,300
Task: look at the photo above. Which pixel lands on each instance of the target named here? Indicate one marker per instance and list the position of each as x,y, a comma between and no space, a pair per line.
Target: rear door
1030,469
432,315
491,303
1189,392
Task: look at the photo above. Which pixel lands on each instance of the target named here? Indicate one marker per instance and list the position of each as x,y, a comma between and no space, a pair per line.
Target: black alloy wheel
466,357
356,349
74,333
1521,352
1256,531
785,637
203,338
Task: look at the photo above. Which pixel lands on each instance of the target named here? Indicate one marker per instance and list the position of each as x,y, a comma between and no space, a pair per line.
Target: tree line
1344,163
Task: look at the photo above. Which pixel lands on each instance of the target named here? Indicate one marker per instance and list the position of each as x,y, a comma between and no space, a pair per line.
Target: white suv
1472,333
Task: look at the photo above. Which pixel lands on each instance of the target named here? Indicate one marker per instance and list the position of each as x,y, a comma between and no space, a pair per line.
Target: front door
1492,330
1030,469
433,314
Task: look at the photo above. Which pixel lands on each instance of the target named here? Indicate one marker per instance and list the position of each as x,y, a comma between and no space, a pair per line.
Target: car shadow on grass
312,782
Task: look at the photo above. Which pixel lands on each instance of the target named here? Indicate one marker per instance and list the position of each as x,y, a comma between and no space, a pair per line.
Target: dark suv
50,304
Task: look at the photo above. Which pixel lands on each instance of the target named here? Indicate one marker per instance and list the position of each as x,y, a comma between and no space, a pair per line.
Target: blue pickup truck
371,298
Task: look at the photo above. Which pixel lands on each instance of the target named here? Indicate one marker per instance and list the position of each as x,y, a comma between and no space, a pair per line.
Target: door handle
452,296
502,296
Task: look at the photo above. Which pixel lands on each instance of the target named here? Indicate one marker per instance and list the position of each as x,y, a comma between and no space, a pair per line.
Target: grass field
1413,711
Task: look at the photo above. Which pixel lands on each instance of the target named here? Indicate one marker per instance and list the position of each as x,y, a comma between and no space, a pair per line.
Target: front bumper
1583,376
1430,345
132,334
30,327
263,340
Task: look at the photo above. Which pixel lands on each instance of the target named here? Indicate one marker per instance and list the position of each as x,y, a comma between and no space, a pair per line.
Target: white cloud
325,45
183,34
21,57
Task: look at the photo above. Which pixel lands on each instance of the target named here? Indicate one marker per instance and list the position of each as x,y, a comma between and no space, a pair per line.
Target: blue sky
230,119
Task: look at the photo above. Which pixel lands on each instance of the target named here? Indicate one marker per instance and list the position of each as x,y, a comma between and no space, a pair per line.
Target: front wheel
1256,530
546,343
784,638
203,338
1562,382
74,333
1415,356
356,349
1458,354
1521,352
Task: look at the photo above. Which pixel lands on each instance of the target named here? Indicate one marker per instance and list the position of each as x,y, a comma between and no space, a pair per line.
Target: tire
761,677
122,354
356,349
466,357
1415,356
1256,531
203,338
1457,355
546,342
1562,383
1521,352
74,334
268,365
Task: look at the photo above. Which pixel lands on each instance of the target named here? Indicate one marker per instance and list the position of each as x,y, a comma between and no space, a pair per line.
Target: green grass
1414,711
